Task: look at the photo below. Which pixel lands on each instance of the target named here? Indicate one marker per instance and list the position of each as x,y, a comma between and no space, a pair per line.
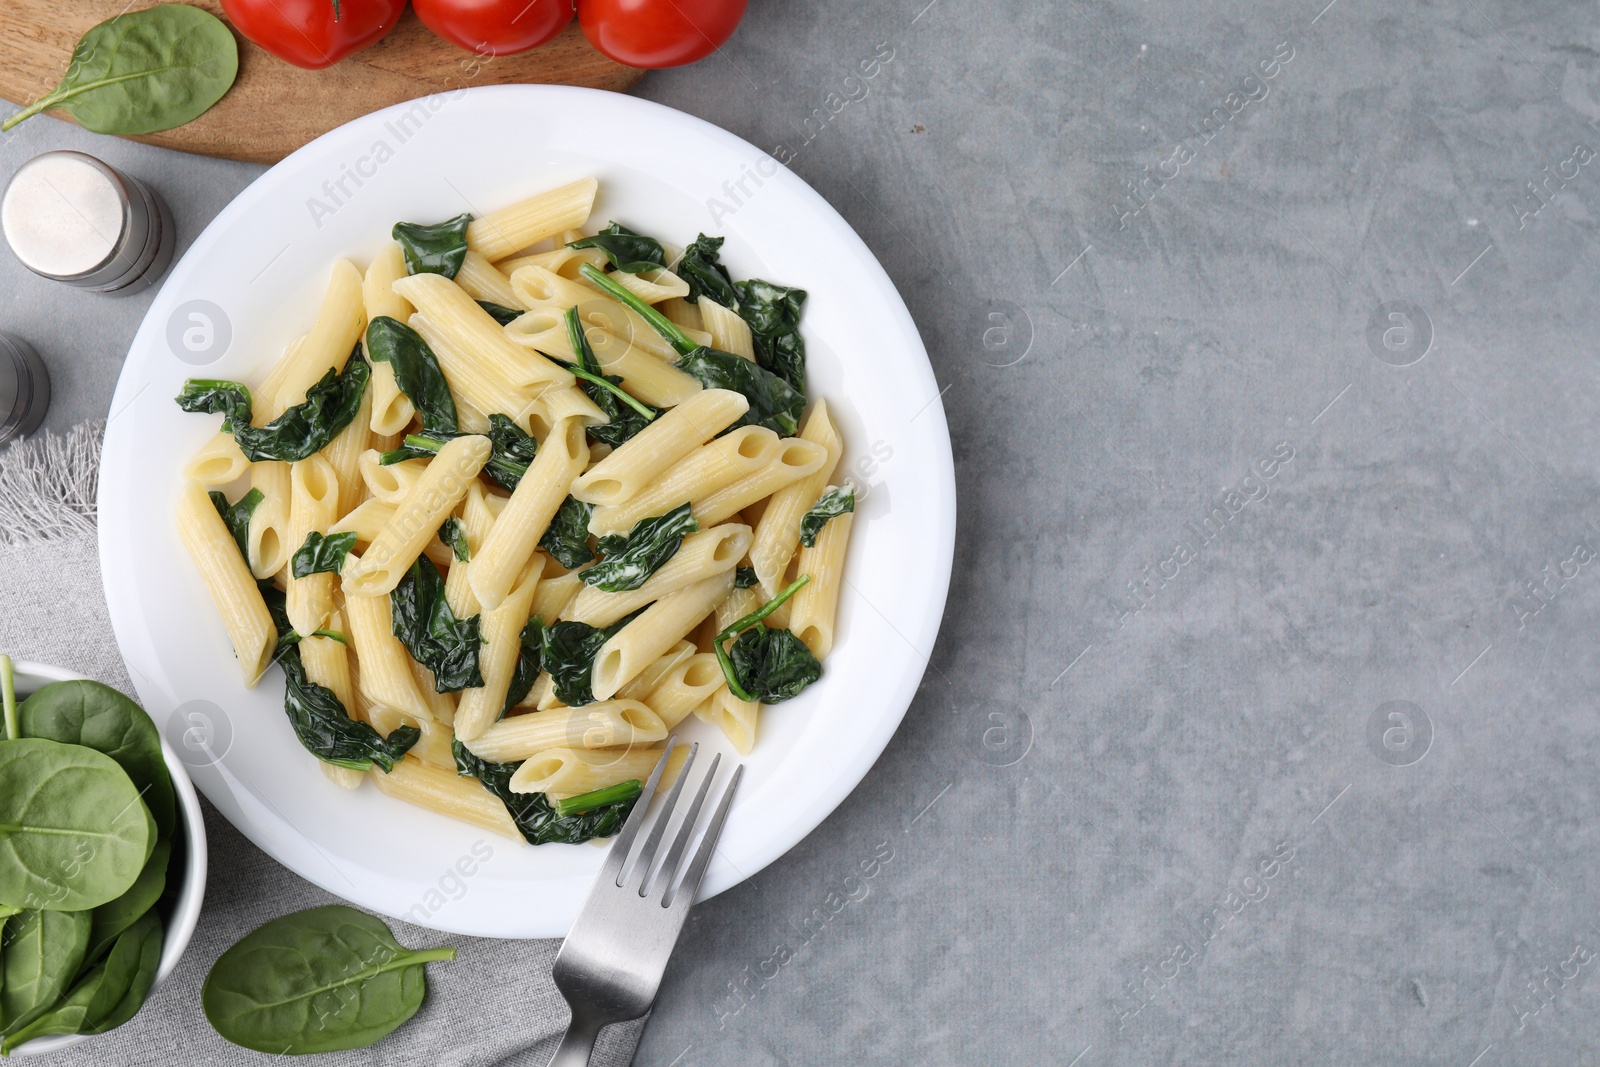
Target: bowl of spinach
112,895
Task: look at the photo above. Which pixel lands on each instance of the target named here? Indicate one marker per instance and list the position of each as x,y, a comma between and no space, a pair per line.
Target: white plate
263,264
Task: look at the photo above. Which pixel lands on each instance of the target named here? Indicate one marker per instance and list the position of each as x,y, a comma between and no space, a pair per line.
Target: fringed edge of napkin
48,485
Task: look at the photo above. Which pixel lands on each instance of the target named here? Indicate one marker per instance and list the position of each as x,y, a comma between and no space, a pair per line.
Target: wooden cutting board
275,107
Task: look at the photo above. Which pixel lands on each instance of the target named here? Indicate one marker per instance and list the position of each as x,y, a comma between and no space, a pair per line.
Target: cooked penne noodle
385,676
483,281
687,686
517,531
327,664
417,518
442,706
344,453
511,229
795,459
391,483
477,516
680,311
653,675
571,771
471,335
603,725
731,457
432,748
313,504
555,592
371,516
333,337
269,523
538,288
217,463
651,379
661,625
563,261
728,331
502,647
652,286
391,409
664,442
568,402
232,587
445,792
700,556
778,532
815,606
737,719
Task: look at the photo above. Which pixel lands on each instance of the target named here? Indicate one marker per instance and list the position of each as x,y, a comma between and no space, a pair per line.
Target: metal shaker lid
24,388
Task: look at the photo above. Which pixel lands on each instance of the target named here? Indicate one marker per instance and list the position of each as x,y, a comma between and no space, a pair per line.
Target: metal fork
610,966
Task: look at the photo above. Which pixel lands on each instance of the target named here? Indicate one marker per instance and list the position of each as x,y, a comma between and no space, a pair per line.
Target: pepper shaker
24,388
71,218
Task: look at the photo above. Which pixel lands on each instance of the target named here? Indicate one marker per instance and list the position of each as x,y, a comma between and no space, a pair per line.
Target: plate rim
869,745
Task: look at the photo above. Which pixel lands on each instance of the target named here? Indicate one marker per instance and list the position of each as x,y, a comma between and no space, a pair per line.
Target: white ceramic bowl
185,913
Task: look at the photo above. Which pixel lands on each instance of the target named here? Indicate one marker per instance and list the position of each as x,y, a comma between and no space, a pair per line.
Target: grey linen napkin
495,1005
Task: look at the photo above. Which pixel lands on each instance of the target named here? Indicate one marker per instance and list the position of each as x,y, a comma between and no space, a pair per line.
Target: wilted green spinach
837,500
533,813
439,248
322,554
766,665
627,251
627,561
416,372
304,429
567,537
424,623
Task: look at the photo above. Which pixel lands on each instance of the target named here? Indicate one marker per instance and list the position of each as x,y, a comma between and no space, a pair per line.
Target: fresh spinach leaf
528,668
325,728
424,623
627,251
837,500
108,995
144,72
568,650
648,545
774,403
439,248
416,372
773,665
701,266
567,537
744,577
98,717
44,951
773,314
109,920
207,396
322,555
321,980
500,313
306,428
236,517
533,813
454,534
76,832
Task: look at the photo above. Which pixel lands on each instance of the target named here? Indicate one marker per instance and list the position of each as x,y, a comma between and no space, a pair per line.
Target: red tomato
495,27
659,33
313,33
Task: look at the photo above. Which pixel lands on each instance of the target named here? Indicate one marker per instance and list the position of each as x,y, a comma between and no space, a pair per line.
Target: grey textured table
1262,725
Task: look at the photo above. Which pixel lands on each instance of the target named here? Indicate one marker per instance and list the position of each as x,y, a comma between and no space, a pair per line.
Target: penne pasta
502,648
483,281
778,532
651,379
728,331
794,460
815,607
328,346
517,531
232,587
664,442
313,503
701,555
391,409
527,222
385,676
652,675
686,687
391,483
570,771
604,725
443,791
743,453
217,463
651,286
661,625
538,288
269,523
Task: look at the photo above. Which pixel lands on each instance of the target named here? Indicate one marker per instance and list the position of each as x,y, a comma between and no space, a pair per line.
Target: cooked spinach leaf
325,728
329,407
424,623
321,980
527,671
701,266
773,314
500,313
454,534
439,248
236,517
533,813
744,577
511,450
416,372
322,555
567,538
627,251
774,403
774,665
207,396
837,500
629,561
567,652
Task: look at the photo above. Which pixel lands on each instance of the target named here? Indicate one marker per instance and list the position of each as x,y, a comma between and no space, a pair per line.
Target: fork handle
577,1044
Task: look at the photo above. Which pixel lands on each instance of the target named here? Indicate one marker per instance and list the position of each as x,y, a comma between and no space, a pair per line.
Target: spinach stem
581,349
8,695
738,627
663,325
599,798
